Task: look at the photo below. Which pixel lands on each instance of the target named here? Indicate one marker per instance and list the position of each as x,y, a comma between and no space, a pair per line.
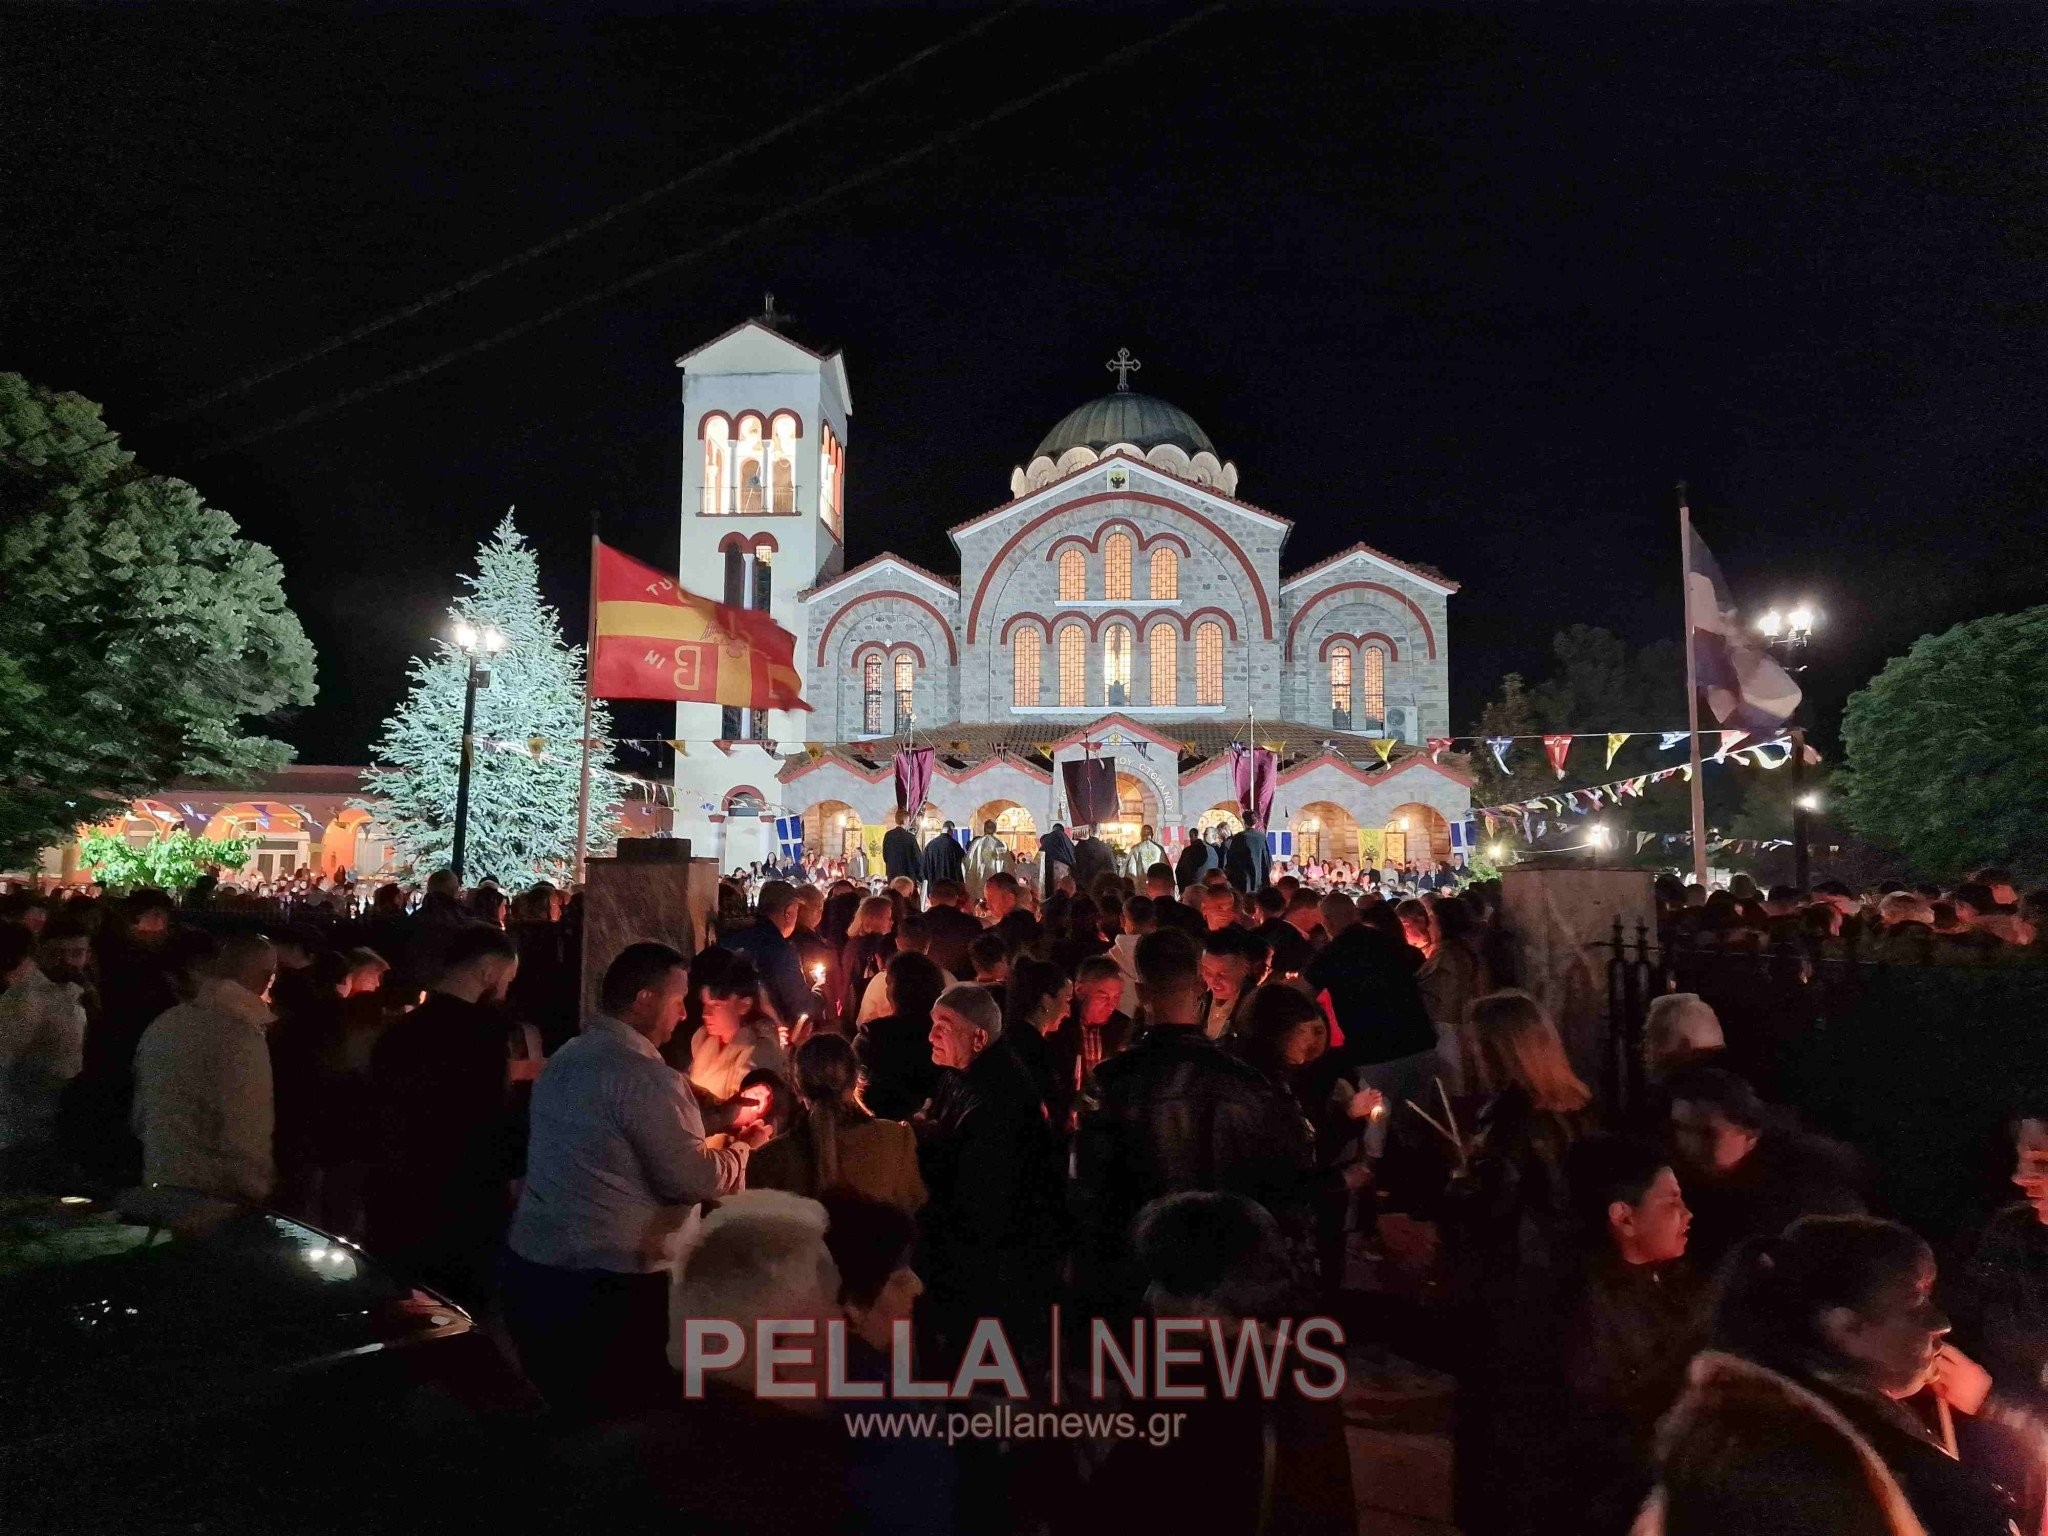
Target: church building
1125,602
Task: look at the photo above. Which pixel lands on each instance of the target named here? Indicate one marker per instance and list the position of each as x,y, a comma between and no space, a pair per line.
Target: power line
575,232
669,264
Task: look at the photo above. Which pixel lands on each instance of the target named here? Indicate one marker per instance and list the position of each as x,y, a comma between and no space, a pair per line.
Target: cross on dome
1123,365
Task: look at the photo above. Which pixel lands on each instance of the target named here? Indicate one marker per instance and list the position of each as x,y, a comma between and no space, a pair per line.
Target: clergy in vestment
987,855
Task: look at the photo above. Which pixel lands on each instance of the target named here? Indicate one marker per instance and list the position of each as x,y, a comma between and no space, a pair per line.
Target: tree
173,862
529,727
1945,749
140,634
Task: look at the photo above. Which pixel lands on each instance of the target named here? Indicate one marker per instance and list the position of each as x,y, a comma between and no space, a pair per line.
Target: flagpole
589,682
1692,693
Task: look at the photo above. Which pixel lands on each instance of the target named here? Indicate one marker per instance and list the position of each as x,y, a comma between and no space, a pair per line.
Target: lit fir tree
529,726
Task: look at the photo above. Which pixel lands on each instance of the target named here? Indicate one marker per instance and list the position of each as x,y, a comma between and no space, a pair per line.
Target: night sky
1475,285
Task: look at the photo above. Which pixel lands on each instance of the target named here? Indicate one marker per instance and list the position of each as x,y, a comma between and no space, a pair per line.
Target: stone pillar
653,890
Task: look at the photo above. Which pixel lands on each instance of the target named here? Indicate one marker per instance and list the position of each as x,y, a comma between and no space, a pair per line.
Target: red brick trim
1301,613
938,618
996,563
1370,637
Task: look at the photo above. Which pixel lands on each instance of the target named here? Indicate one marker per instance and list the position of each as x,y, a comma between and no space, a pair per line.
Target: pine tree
529,726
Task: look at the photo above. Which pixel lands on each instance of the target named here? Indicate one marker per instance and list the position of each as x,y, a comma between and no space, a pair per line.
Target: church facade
1123,602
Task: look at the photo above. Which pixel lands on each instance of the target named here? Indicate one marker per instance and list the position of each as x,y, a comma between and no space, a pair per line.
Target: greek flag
1281,844
789,834
1744,687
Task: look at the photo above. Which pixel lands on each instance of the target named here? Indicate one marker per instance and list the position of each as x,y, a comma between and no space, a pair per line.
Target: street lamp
479,645
1787,635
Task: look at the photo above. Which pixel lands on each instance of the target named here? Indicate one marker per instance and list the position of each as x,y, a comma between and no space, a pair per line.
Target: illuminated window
906,691
1165,575
782,464
1375,669
1116,666
717,466
1073,577
764,577
1116,568
871,696
1340,688
1209,663
751,465
1073,668
831,467
1165,646
1024,663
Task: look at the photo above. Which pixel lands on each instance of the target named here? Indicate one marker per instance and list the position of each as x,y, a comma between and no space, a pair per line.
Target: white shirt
615,1157
203,1103
42,1045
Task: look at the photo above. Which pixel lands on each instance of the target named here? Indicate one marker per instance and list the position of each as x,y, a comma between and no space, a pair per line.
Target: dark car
178,1363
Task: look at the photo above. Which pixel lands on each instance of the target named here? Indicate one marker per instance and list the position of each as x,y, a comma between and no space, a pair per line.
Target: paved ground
1398,1418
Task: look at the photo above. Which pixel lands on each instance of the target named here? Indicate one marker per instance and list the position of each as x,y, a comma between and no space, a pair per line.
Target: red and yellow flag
655,640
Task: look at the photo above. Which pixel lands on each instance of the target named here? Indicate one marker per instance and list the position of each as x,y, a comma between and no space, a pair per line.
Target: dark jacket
1093,858
1195,861
896,1055
1173,1112
1789,1174
952,931
2000,1303
1374,995
900,853
991,1232
1248,861
943,859
1056,848
447,1147
867,956
781,972
1291,952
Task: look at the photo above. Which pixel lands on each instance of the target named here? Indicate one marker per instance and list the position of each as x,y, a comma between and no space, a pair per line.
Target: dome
1126,416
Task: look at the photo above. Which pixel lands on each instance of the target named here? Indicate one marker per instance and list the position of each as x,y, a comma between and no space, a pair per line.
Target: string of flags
1529,814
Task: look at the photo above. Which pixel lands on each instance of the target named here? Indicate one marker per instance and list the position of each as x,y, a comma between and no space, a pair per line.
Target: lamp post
1787,635
477,646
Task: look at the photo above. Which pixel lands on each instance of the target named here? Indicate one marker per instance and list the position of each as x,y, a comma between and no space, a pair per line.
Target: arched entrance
1416,834
1014,826
1223,814
1136,808
1324,830
832,830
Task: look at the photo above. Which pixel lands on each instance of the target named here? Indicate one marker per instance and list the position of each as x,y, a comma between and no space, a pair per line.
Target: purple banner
913,778
1091,791
1253,773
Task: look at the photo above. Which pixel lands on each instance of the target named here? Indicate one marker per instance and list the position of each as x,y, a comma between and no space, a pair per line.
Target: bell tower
764,476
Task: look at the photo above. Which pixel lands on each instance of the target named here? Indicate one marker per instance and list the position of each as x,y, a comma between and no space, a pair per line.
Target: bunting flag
814,750
1557,748
1384,746
1642,838
1490,822
1498,746
656,640
1438,746
1614,741
1670,739
1728,739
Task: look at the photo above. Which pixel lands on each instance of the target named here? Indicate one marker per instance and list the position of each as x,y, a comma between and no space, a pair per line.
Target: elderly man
992,1228
616,1164
203,1104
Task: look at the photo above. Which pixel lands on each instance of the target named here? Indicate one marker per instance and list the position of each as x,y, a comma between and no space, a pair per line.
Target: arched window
1073,577
735,577
717,466
1375,690
831,467
1116,568
753,468
1024,664
1165,574
906,690
871,696
1164,642
1209,663
1116,666
1340,688
782,464
1073,668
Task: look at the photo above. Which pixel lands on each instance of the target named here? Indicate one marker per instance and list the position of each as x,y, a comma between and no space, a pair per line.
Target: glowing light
494,641
1802,619
465,634
1810,801
74,1199
1772,624
1496,852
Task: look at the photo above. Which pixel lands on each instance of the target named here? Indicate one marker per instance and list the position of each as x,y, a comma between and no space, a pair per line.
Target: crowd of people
1206,1089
